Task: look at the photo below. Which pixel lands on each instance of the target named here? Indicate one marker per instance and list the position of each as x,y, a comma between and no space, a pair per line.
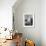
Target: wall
43,22
37,8
6,13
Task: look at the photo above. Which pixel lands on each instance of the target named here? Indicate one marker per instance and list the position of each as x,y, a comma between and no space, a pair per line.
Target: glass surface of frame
28,20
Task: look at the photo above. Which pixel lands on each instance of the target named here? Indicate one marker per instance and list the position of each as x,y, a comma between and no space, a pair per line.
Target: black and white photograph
28,20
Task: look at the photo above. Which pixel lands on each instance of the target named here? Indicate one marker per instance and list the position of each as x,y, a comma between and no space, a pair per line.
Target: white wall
43,22
6,13
38,32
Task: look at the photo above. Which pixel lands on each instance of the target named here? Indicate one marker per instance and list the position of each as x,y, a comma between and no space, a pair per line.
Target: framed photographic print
28,20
